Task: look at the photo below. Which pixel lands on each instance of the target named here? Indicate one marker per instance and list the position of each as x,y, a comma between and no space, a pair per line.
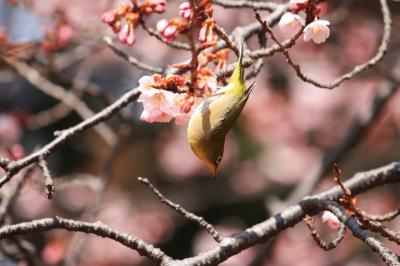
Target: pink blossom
318,31
185,11
168,30
159,105
331,219
291,23
296,4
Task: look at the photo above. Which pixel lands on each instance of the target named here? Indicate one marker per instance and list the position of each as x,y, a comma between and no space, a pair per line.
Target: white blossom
297,3
291,23
318,31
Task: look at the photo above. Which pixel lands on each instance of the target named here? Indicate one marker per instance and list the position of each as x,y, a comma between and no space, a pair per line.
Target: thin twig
47,178
269,6
132,60
173,44
188,215
309,221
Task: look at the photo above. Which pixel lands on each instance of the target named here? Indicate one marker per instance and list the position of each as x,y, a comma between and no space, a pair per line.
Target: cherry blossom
159,105
318,31
331,219
291,23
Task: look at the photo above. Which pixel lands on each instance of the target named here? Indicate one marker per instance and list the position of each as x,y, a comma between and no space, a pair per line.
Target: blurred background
285,136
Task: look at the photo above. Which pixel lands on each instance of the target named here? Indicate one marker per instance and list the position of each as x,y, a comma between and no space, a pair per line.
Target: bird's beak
213,169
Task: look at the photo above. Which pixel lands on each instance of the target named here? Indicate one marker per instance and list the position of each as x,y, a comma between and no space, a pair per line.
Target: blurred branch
13,192
224,36
355,133
78,241
79,85
79,53
262,41
188,215
59,93
13,167
132,60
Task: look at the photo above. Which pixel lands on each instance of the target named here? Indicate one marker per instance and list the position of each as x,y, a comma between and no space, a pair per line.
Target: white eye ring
219,158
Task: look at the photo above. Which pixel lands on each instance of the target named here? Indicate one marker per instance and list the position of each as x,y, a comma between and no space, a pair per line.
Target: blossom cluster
171,29
316,29
169,97
175,96
126,17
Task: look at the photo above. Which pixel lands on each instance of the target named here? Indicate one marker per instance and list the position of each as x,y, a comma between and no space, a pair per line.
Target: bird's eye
218,160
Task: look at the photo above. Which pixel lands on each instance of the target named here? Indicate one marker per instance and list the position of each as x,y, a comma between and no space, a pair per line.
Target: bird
215,116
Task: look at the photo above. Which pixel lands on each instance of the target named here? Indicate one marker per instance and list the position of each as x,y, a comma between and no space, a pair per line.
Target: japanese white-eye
214,117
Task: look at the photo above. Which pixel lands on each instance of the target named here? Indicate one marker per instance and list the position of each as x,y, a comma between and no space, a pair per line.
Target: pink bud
202,34
160,6
123,35
131,37
64,35
161,25
206,33
169,32
185,11
109,16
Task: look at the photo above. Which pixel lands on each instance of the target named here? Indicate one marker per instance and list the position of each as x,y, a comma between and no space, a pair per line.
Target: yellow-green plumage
214,117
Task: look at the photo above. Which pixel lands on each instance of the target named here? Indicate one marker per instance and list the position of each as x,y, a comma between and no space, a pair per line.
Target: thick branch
256,234
96,228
